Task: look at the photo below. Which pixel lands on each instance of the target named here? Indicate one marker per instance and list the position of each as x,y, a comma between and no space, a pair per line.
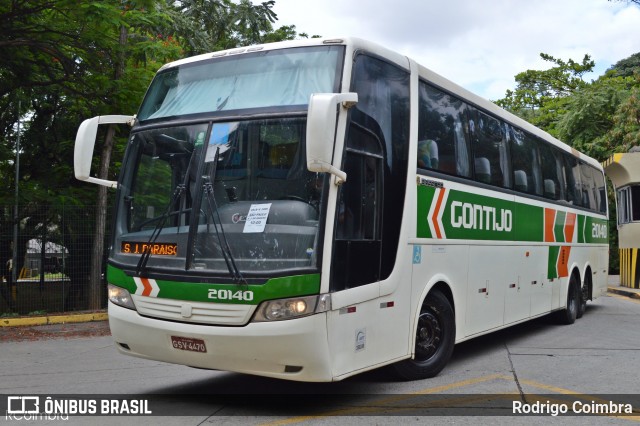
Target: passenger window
490,149
551,172
602,190
573,189
525,162
589,189
442,145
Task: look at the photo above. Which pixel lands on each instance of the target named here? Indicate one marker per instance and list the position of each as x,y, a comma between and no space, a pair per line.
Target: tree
589,116
540,95
625,133
65,61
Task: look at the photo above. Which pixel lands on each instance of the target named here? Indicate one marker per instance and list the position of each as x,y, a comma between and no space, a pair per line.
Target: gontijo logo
455,214
476,216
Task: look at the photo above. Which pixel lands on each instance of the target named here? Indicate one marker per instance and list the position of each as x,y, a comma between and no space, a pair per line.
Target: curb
632,293
53,319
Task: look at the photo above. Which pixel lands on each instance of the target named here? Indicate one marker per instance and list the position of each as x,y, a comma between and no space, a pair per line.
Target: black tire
584,296
435,338
570,313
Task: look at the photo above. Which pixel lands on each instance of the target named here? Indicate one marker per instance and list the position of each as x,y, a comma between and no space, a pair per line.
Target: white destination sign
257,218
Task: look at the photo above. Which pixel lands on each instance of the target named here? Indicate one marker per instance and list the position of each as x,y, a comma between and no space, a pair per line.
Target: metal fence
53,268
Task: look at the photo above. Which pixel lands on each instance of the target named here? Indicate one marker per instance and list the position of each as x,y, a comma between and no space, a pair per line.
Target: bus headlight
120,297
295,307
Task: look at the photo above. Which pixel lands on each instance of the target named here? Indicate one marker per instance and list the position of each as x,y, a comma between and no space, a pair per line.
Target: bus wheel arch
434,336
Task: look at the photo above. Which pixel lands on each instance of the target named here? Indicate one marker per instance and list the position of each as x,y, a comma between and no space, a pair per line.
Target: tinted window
490,149
590,193
526,164
459,139
551,165
375,161
442,144
573,184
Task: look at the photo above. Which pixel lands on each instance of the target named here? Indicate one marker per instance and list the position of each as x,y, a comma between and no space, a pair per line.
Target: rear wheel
584,295
570,313
435,338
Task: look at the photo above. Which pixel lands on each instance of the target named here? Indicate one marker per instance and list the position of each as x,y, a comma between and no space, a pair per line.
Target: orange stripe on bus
569,227
147,286
563,261
436,211
549,223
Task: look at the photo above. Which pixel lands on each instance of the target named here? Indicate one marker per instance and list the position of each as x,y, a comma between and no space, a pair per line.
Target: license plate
188,344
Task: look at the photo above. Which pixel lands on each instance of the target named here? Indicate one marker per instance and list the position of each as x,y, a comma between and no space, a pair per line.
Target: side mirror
85,142
321,131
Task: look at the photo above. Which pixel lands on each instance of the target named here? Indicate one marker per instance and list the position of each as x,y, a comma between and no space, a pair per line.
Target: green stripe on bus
552,268
580,228
558,228
469,216
425,196
274,288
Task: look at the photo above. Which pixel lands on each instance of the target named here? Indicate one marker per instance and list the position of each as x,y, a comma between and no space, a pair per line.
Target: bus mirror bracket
85,142
321,131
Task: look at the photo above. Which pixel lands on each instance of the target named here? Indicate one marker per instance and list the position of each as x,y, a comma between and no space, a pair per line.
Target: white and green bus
314,209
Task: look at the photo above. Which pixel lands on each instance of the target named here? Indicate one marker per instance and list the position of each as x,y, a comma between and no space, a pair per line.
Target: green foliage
589,118
625,132
540,95
598,118
626,67
64,61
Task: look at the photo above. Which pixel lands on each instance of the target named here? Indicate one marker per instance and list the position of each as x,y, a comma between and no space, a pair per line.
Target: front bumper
293,350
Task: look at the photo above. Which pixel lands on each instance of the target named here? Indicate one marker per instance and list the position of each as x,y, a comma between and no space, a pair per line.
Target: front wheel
435,338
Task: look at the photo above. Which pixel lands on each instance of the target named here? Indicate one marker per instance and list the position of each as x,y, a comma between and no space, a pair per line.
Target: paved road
597,356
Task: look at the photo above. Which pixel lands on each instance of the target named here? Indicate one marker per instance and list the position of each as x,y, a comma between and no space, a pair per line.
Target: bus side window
490,149
551,171
525,162
442,145
573,183
358,244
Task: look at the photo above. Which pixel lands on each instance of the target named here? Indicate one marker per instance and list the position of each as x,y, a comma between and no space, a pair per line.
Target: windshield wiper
146,254
225,249
177,196
222,237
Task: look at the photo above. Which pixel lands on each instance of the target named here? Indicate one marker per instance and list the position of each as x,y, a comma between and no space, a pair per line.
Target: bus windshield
229,197
253,80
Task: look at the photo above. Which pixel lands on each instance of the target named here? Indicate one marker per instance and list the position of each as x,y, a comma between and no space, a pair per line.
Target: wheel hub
429,336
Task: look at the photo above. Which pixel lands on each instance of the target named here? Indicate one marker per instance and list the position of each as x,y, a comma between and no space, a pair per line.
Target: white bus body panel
264,349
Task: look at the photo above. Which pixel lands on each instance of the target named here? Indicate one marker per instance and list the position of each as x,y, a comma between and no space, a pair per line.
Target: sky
479,44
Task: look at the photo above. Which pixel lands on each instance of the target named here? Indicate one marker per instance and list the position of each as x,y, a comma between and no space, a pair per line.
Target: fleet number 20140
224,294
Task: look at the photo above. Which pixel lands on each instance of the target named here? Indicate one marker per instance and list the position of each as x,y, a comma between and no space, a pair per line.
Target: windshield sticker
219,140
257,218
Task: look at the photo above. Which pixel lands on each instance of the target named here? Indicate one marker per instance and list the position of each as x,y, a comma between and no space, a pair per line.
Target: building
624,172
